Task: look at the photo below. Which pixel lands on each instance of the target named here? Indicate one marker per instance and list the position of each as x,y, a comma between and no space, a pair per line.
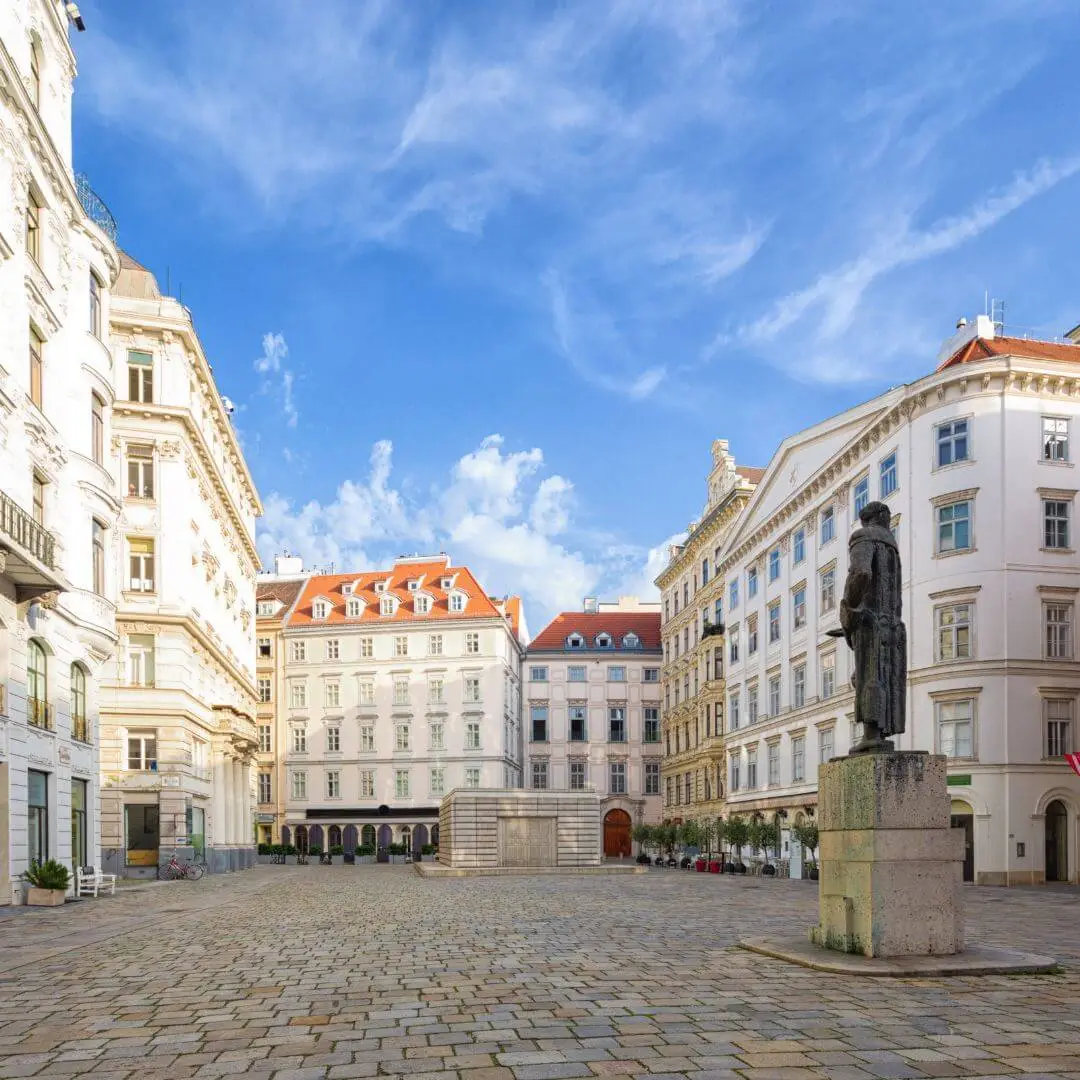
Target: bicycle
174,871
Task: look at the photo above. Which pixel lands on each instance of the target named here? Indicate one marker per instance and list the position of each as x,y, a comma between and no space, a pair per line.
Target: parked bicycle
175,870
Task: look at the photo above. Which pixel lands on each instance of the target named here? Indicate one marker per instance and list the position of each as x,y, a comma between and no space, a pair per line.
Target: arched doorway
386,838
301,839
435,835
367,836
333,836
963,817
315,837
1057,842
349,842
406,838
419,837
616,834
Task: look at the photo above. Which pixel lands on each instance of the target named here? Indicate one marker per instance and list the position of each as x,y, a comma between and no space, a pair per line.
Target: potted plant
314,853
807,836
428,850
365,853
337,854
289,851
770,840
738,834
48,883
642,836
265,853
720,833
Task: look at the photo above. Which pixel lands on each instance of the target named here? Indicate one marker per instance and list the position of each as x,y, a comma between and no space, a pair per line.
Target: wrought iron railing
96,210
17,524
39,713
80,729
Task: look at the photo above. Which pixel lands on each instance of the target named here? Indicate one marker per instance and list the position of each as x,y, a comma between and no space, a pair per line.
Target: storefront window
141,834
79,854
37,815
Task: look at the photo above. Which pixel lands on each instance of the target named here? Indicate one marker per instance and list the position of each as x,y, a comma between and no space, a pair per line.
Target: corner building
400,685
593,691
694,762
977,462
58,499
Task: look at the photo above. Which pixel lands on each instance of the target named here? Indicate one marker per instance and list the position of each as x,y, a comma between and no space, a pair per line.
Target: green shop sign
959,780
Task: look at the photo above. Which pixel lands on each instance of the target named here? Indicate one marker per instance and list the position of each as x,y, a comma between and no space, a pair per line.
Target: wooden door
616,834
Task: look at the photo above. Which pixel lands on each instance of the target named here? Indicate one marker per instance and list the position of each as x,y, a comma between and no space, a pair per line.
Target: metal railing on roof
95,207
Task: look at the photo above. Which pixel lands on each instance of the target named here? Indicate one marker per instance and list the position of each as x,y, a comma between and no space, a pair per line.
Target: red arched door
616,834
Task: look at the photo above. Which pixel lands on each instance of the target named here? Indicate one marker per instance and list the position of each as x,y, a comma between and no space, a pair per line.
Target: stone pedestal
891,867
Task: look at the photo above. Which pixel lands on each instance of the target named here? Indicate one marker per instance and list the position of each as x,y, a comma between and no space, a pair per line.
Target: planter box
714,868
264,859
365,859
337,860
699,866
290,860
45,897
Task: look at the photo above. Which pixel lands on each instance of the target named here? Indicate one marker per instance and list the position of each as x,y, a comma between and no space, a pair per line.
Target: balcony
27,552
95,208
80,729
40,714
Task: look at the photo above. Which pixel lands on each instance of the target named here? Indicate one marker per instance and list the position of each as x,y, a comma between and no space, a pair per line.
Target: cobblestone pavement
305,973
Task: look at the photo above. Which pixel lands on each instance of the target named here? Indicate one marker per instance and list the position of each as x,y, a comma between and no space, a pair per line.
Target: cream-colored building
694,765
592,688
58,502
178,707
977,462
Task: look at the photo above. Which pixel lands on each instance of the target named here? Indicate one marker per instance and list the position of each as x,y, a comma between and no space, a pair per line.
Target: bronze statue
873,629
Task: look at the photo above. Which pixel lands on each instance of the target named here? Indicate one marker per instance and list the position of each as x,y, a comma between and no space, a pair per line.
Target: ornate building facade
692,627
178,708
58,501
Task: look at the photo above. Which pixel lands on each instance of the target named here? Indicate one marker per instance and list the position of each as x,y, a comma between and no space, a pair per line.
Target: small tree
690,834
666,837
720,827
708,832
738,834
642,835
807,836
753,835
770,838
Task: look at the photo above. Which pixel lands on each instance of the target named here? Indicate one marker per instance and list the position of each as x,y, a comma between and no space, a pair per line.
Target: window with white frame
752,582
577,775
798,758
367,783
651,724
333,784
953,443
437,782
1055,438
735,781
472,735
140,366
577,716
472,643
141,564
1056,523
140,472
733,594
956,728
140,658
798,546
538,719
751,704
435,644
604,641
652,777
320,609
142,751
299,739
617,777
1059,636
774,622
616,724
828,675
774,695
774,764
422,605
472,689
333,649
616,673
436,690
828,589
354,608
457,602
631,641
367,648
472,777
540,775
367,737
264,739
437,735
402,736
299,785
688,788
386,604
367,692
798,608
887,477
264,608
298,651
298,695
733,710
733,644
401,783
538,674
401,690
774,564
751,767
264,648
954,526
861,494
265,788
332,694
798,685
825,744
576,673
1059,714
953,632
828,524
855,733
401,645
751,635
333,739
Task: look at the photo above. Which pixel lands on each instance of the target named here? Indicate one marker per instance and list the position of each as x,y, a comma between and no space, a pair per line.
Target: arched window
79,728
406,836
37,695
333,836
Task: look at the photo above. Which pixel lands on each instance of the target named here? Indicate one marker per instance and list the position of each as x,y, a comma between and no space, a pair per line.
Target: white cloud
275,350
550,513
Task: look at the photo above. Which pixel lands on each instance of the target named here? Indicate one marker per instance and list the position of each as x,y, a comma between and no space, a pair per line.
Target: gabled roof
284,592
328,587
646,624
981,348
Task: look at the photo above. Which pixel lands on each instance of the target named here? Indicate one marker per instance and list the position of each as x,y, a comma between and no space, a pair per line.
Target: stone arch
419,837
302,839
367,836
315,836
1062,795
349,839
333,836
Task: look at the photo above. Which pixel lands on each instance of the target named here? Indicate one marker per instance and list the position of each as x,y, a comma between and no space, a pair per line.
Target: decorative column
239,839
219,861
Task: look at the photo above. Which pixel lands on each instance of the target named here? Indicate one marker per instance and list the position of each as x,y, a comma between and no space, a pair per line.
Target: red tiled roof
512,607
987,348
329,586
646,624
748,472
284,591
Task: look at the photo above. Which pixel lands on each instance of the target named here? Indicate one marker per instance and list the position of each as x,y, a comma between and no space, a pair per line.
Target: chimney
592,605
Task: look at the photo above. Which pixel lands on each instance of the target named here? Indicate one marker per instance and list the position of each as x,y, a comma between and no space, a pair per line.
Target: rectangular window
751,769
333,739
577,775
828,590
774,564
538,716
435,644
540,775
736,777
1059,638
472,689
652,777
576,673
733,710
774,764
798,546
95,306
367,692
705,571
798,686
616,724
401,645
828,524
472,735
798,608
472,644
472,778
955,726
265,690
774,695
366,648
538,674
437,735
825,745
141,564
298,651
953,632
733,595
264,788
651,731
140,472
140,659
1055,523
38,498
333,784
264,739
751,582
774,623
140,367
97,542
264,648
401,783
887,475
828,675
751,635
332,695
616,673
952,443
299,740
401,690
298,695
33,223
333,649
367,783
798,759
862,494
688,788
437,782
751,705
651,674
1059,727
97,429
367,737
37,369
402,737
436,690
733,644
1055,436
618,778
579,724
142,751
299,785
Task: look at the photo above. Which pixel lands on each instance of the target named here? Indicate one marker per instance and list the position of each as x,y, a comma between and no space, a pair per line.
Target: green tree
769,837
690,834
738,834
720,827
807,835
642,835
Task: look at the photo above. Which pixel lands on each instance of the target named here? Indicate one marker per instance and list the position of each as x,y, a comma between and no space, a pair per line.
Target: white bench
90,881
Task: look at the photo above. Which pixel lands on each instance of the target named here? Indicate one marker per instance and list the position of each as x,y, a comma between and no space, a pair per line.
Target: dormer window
346,589
414,585
422,605
446,583
386,605
603,641
575,641
380,586
631,641
264,607
354,609
320,609
457,601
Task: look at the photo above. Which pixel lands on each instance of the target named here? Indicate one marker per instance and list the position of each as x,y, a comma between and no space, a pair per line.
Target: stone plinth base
517,828
891,867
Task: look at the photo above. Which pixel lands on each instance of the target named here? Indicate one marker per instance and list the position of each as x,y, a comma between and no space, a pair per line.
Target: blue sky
490,278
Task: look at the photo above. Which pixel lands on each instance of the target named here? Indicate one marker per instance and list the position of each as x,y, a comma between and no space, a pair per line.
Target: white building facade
58,502
592,688
399,686
977,463
178,706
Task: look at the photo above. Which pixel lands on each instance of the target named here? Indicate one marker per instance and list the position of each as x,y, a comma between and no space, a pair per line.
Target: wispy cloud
271,365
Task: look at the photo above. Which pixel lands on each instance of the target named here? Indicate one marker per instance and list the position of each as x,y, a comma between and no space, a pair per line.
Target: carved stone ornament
169,450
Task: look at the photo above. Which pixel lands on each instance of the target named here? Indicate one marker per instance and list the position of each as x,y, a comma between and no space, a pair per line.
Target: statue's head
876,513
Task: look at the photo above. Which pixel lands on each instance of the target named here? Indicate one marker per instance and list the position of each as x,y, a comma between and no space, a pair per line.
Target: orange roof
646,624
987,348
512,608
429,575
748,472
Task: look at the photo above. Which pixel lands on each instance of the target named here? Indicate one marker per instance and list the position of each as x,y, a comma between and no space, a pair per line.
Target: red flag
1074,762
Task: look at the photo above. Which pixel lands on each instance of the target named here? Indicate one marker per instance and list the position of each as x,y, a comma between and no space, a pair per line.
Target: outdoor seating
91,881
